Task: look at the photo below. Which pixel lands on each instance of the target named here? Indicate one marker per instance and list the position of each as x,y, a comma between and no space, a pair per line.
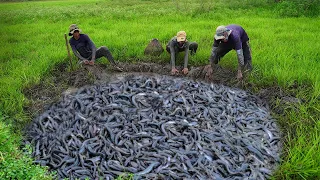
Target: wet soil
63,81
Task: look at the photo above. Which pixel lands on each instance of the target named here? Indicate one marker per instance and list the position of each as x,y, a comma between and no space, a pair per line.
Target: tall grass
285,50
301,160
296,8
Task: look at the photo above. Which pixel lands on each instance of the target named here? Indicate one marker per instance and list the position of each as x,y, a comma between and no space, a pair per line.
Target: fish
157,127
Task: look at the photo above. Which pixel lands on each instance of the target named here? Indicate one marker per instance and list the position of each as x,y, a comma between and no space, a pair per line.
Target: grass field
285,52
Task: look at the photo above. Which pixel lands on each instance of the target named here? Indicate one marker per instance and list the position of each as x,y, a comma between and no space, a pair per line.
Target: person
227,38
84,49
178,44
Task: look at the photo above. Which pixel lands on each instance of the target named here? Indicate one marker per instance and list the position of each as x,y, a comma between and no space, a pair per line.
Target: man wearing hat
84,48
227,38
178,44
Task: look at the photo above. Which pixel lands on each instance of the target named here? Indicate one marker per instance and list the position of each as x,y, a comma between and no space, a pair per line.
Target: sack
154,48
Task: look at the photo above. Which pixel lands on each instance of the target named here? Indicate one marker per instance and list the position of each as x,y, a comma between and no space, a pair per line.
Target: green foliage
13,163
302,147
297,8
21,0
245,4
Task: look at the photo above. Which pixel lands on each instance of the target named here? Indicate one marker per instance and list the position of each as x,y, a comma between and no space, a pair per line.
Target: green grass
285,52
13,163
303,147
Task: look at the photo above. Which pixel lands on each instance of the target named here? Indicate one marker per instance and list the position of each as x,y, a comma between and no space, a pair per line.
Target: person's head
74,31
181,37
222,33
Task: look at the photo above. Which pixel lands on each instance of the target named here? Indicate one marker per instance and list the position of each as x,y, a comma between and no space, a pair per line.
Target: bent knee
194,44
104,48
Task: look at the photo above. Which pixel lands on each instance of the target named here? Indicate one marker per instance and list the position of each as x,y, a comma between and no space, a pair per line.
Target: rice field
285,52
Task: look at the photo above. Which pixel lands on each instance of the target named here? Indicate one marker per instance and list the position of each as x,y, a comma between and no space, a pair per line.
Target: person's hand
208,69
185,71
174,71
117,68
91,63
85,61
239,75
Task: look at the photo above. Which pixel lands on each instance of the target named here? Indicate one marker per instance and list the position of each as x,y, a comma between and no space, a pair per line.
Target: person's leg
247,55
221,51
104,51
168,49
193,46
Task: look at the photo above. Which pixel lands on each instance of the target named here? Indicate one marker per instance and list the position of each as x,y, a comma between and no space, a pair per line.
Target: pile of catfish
157,127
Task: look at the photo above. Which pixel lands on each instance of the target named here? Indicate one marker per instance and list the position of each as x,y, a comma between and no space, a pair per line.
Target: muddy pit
64,83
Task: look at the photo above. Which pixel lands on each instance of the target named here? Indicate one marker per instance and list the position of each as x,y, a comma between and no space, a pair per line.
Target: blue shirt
84,46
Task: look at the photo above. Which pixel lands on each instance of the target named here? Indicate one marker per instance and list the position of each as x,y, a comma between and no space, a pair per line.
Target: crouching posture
84,49
227,38
178,44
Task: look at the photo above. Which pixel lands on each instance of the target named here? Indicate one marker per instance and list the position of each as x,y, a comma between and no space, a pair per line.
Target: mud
63,81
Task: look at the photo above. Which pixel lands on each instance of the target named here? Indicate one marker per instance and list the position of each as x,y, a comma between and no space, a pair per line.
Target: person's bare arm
240,63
